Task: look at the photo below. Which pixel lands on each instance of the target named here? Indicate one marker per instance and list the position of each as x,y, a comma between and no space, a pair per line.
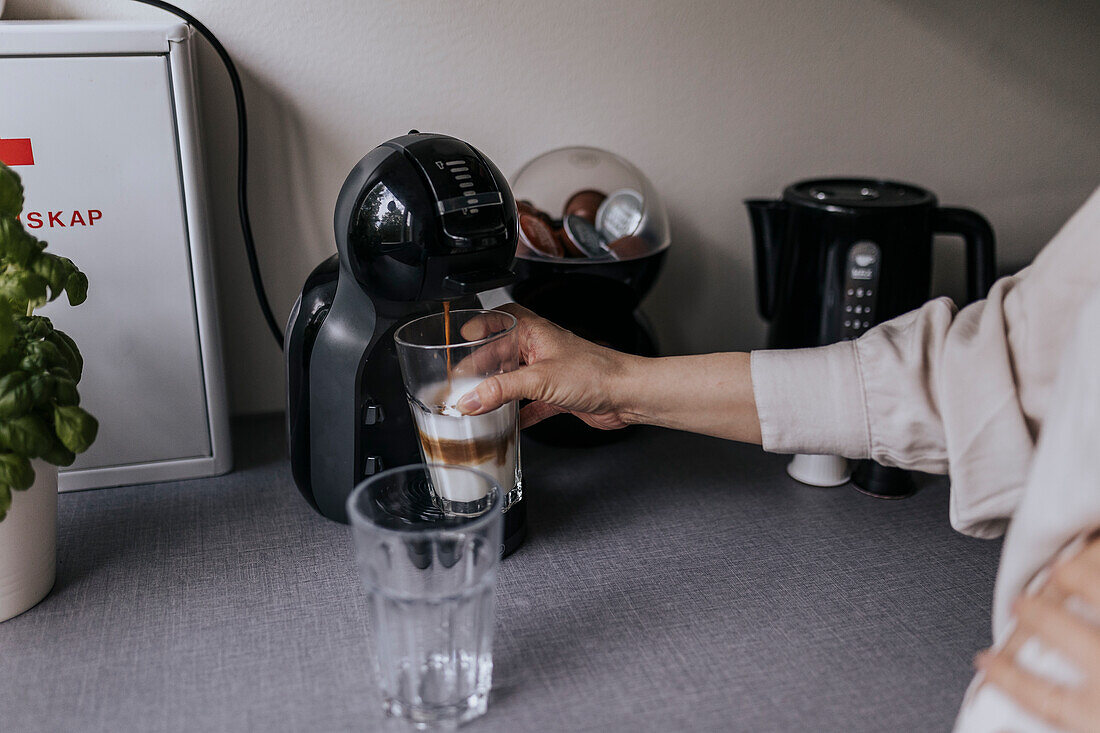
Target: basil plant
40,366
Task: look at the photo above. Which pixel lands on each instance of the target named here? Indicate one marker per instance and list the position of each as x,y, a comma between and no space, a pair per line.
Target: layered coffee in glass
443,357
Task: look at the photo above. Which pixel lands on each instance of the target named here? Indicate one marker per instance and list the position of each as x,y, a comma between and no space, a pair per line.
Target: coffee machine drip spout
471,283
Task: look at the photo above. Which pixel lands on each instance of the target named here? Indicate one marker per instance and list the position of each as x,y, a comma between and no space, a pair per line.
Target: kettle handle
769,232
980,254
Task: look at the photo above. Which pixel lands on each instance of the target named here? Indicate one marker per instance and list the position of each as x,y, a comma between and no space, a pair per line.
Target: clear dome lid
581,204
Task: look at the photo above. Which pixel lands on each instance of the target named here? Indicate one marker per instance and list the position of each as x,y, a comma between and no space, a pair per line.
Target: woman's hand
561,372
1045,617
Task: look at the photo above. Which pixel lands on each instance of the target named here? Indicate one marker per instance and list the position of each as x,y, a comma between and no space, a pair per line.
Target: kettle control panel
860,291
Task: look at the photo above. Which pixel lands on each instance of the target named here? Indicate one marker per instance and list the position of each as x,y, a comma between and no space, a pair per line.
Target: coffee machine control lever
469,203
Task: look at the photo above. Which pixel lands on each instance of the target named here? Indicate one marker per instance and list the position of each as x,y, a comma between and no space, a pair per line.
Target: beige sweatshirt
1060,503
940,390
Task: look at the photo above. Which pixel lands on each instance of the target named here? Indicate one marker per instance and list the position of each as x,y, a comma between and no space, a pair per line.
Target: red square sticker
16,151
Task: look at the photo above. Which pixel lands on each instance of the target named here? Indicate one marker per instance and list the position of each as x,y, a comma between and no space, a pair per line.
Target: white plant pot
28,544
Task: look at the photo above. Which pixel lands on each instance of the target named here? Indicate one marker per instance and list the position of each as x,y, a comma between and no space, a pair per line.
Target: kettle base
883,482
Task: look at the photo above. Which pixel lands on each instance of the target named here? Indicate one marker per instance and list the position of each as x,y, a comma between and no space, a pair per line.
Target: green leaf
8,330
16,472
47,388
11,192
5,501
77,288
46,353
16,245
74,362
10,359
44,356
22,288
58,454
28,435
9,381
43,387
15,396
35,326
54,270
34,362
75,427
65,391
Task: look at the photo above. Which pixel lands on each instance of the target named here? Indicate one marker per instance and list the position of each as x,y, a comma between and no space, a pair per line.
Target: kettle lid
838,194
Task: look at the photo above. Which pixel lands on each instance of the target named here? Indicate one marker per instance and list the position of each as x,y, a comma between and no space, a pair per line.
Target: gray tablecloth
670,583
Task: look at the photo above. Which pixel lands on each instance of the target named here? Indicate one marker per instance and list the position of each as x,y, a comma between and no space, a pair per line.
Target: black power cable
242,161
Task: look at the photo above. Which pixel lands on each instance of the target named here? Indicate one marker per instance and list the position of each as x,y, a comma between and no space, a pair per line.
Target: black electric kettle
836,256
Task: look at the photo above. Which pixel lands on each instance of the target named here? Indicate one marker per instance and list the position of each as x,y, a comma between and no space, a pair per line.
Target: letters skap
62,219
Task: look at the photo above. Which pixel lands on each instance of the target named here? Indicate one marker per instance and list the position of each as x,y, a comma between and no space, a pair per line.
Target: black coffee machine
422,219
836,256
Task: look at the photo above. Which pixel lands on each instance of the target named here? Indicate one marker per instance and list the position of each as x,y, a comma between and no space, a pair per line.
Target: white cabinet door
105,190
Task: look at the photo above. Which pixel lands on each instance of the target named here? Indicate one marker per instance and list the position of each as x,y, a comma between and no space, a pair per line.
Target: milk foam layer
491,437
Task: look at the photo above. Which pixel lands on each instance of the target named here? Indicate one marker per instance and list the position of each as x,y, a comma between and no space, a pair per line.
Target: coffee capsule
571,250
584,204
526,207
538,237
584,235
620,214
629,247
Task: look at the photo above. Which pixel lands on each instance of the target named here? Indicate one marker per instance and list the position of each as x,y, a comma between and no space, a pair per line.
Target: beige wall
993,105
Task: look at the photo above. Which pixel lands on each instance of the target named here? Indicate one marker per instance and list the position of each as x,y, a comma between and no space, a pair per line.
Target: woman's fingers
526,383
559,367
536,412
1079,576
484,325
521,314
1049,701
538,337
533,333
1051,622
1045,617
496,356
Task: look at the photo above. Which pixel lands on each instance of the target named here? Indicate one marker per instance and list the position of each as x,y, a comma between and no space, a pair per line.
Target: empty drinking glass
430,577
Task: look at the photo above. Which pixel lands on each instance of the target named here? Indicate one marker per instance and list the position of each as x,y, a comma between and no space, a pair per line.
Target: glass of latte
443,356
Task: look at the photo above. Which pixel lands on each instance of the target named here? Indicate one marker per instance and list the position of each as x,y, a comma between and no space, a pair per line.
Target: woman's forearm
709,393
561,372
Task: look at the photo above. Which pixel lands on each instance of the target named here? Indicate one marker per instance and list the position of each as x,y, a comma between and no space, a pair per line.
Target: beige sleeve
938,389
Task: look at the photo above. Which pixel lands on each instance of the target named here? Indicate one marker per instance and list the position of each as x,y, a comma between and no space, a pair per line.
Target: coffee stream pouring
421,220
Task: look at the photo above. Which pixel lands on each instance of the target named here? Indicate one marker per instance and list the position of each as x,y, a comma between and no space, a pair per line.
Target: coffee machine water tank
421,219
837,256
